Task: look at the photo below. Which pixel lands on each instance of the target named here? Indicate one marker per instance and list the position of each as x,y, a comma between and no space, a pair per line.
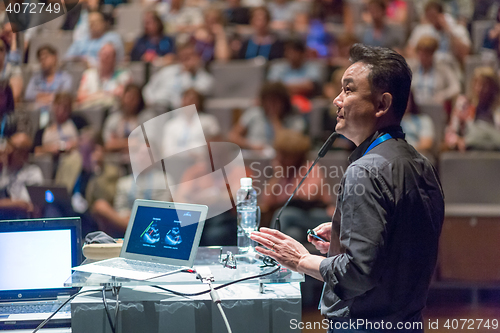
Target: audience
154,46
210,39
283,13
16,173
492,37
301,77
432,83
236,14
261,43
45,83
475,120
180,19
10,74
309,207
87,49
418,127
61,135
165,87
104,84
182,132
131,114
378,32
257,126
454,40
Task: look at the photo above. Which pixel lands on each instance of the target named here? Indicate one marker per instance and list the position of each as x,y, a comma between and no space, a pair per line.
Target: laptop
37,256
42,195
161,238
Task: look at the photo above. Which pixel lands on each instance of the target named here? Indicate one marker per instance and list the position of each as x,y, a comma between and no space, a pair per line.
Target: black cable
42,324
218,287
113,327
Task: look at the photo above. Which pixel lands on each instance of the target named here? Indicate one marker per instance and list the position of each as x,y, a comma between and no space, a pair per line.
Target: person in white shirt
454,39
165,88
432,83
182,132
103,85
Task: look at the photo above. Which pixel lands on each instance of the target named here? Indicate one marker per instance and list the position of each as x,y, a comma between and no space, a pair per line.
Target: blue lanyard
4,121
378,141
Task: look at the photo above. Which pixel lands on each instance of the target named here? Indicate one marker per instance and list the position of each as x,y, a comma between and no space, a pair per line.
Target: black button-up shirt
385,234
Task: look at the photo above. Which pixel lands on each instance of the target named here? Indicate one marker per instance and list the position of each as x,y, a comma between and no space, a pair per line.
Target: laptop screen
163,232
27,259
36,257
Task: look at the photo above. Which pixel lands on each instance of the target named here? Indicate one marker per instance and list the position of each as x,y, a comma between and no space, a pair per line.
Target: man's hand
286,250
324,231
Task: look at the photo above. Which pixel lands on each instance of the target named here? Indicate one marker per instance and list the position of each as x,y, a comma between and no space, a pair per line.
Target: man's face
97,26
295,57
356,108
376,12
425,57
189,59
47,60
107,57
432,15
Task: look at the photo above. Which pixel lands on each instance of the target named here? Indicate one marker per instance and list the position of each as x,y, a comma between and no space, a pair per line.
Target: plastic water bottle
246,206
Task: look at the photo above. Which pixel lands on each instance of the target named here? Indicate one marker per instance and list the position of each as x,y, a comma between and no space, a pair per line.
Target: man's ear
384,104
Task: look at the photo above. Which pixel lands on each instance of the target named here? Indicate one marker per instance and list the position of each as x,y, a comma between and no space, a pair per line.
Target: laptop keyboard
139,266
38,307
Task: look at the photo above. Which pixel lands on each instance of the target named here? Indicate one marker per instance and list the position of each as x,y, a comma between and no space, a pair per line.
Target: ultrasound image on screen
163,232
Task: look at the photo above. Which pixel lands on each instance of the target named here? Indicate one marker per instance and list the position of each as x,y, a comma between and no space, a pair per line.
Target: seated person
154,46
210,38
103,85
432,83
283,13
88,179
61,135
131,114
301,77
165,87
10,39
475,119
261,42
378,32
48,81
10,73
15,175
453,38
180,132
236,14
312,204
257,126
492,37
77,19
180,19
88,49
113,218
418,127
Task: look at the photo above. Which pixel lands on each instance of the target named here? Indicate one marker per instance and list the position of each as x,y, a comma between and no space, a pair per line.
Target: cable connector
204,274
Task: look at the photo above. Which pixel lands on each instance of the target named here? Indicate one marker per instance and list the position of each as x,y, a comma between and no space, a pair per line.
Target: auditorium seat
45,163
226,110
238,78
95,116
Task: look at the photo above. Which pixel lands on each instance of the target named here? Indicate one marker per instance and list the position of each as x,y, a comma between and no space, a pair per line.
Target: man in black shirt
383,239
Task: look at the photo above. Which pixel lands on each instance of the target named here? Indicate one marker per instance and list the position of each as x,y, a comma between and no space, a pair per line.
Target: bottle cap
246,182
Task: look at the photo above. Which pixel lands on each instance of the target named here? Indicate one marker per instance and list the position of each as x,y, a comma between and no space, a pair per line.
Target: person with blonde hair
475,119
433,83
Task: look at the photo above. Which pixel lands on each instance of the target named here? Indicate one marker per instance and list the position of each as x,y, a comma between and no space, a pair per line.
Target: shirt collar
395,131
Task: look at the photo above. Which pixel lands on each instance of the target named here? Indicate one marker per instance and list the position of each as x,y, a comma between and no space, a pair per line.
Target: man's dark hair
296,44
49,48
389,72
437,5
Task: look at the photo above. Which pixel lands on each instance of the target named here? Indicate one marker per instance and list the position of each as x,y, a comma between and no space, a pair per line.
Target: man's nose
338,101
